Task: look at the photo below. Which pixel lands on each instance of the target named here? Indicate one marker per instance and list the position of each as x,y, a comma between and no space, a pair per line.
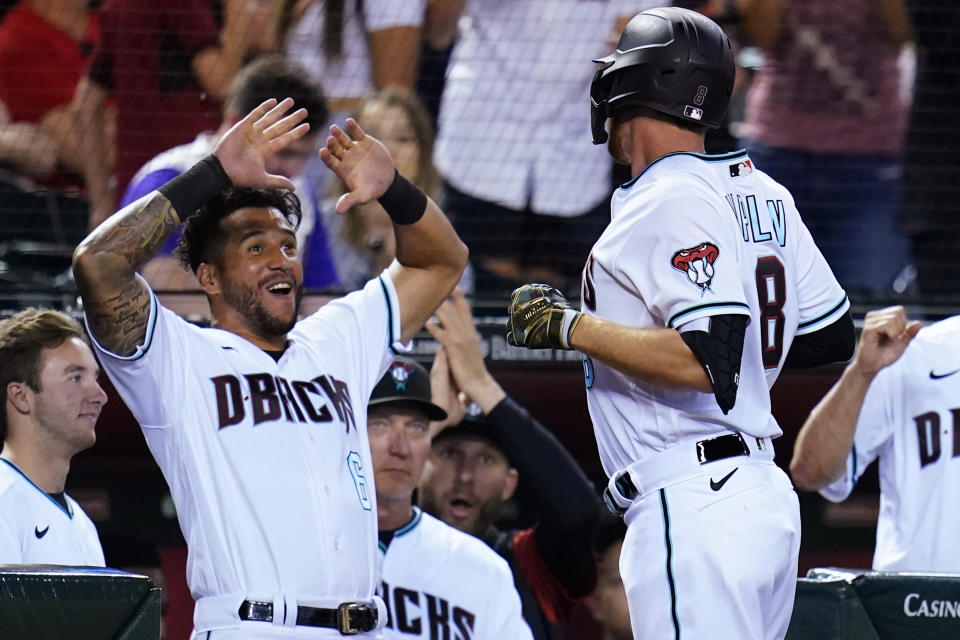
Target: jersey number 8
771,296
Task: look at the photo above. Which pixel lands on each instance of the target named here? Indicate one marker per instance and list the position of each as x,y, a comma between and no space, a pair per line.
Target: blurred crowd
852,106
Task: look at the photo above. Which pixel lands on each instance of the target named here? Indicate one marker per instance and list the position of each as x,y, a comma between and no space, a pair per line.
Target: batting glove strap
540,318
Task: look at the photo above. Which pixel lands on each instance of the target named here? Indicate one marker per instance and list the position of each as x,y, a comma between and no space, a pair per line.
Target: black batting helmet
672,60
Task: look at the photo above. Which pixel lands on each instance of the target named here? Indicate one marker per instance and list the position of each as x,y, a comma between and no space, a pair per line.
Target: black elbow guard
719,352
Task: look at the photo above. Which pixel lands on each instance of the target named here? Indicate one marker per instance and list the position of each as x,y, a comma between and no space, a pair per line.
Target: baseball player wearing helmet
257,421
704,285
52,401
896,402
438,582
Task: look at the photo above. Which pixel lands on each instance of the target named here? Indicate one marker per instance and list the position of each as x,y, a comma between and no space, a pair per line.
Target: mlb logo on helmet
693,112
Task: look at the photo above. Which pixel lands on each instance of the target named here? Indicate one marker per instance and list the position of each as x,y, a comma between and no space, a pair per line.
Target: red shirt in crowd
144,61
40,65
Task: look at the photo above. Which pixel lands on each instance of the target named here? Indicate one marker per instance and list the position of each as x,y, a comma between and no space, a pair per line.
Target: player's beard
485,515
245,300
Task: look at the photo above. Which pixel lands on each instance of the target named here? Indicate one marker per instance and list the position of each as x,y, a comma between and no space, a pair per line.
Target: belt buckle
344,625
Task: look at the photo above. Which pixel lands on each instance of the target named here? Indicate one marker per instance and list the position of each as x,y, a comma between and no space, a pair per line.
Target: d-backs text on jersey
273,398
929,435
415,612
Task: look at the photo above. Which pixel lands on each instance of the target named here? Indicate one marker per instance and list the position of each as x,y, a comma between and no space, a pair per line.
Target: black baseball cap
406,380
474,427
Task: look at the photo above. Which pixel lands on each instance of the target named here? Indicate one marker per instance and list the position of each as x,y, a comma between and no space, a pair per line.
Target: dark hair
202,240
273,76
23,337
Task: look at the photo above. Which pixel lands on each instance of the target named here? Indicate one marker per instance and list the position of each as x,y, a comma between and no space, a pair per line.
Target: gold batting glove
539,317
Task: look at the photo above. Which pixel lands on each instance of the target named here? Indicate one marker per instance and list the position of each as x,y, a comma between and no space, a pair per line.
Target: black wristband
197,186
403,201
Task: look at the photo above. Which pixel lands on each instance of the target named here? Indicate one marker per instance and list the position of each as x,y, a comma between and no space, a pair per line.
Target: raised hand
245,148
885,336
456,332
444,393
361,161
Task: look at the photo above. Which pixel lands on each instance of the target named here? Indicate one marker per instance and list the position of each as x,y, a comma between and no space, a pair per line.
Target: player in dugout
474,468
435,580
257,421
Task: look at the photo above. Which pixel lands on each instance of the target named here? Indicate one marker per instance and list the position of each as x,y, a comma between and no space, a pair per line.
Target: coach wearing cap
474,468
435,580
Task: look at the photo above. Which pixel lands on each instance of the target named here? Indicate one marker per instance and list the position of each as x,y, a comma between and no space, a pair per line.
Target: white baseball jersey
691,237
910,420
694,236
268,461
439,582
36,529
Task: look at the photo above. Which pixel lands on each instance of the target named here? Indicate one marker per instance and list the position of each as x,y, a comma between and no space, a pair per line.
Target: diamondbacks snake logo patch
697,263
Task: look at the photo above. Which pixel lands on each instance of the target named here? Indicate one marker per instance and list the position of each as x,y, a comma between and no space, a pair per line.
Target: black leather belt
350,618
710,450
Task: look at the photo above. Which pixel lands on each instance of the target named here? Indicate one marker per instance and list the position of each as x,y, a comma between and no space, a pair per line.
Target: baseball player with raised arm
52,401
899,402
437,582
704,285
257,422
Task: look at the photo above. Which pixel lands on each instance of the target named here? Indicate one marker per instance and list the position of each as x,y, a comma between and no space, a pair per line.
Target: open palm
361,161
245,148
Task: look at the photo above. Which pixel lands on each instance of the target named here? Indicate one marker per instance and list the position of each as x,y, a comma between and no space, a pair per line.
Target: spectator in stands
527,190
474,467
931,203
354,46
269,76
168,65
608,603
44,48
439,34
51,405
366,243
825,117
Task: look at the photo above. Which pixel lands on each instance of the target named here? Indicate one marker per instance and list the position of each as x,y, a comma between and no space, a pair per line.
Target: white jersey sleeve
688,269
821,299
873,434
149,371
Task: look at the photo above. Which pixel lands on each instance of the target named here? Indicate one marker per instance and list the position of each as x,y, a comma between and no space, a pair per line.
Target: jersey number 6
356,470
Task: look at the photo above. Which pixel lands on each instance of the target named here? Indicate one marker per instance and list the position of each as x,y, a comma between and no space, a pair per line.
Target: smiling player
51,404
257,422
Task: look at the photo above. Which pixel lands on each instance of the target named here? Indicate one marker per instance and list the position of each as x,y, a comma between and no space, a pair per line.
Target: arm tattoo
116,299
138,231
120,321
